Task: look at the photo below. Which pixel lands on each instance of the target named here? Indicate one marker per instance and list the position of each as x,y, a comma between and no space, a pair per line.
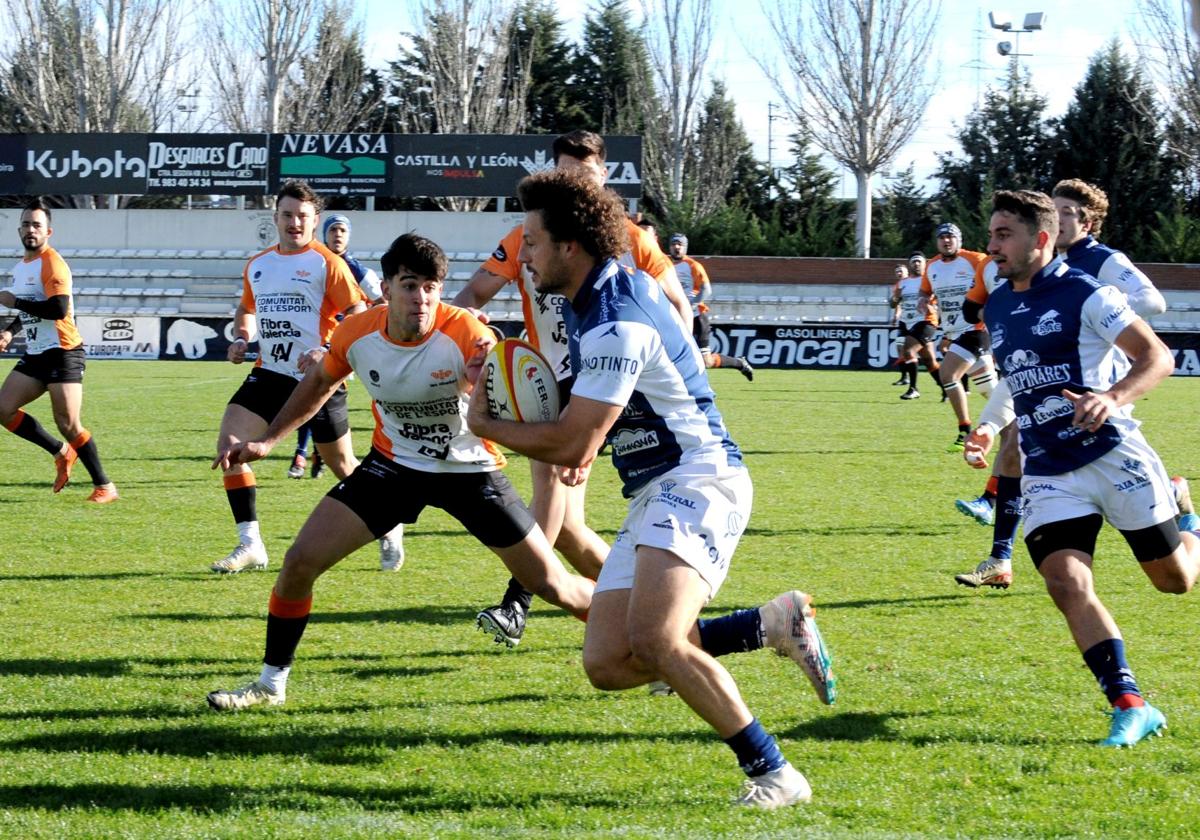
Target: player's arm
997,413
673,289
372,287
571,441
1144,298
243,334
53,308
480,289
314,390
1151,363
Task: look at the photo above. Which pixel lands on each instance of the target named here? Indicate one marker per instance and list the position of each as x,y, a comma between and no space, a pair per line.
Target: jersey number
282,352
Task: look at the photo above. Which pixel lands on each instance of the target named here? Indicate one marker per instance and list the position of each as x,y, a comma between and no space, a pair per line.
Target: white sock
396,535
248,533
275,679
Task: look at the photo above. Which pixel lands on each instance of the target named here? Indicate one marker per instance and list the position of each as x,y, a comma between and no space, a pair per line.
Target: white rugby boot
254,694
779,788
789,627
245,556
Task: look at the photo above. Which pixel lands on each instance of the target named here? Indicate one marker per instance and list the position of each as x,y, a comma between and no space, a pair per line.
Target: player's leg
1008,506
300,456
67,401
583,547
333,531
954,365
908,368
702,332
238,424
19,390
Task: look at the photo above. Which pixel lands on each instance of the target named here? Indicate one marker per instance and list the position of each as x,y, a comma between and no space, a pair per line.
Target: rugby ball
520,383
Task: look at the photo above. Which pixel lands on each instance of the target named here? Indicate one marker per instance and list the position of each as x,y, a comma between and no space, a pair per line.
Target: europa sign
492,164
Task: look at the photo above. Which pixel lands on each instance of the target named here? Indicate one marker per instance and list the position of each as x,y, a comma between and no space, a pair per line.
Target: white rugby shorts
1128,486
696,511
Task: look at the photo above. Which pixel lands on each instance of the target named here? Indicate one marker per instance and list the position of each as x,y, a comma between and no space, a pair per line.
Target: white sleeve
1107,313
371,285
612,357
999,410
1119,272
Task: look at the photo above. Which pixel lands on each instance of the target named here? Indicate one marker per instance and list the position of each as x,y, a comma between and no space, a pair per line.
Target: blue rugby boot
1132,725
980,510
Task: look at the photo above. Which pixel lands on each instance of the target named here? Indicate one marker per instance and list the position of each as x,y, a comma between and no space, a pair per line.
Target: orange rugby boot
62,467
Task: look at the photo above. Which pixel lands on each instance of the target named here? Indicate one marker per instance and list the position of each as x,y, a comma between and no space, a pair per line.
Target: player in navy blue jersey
640,384
1075,356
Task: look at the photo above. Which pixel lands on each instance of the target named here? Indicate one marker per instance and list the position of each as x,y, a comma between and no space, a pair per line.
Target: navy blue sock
1008,508
756,751
1107,661
737,632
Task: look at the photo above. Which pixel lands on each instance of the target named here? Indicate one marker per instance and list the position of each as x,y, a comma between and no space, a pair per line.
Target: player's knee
300,567
1173,581
1066,589
652,645
604,671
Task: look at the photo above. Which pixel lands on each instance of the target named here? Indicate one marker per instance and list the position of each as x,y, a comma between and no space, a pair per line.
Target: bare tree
333,93
858,80
254,50
1174,57
678,36
470,82
92,65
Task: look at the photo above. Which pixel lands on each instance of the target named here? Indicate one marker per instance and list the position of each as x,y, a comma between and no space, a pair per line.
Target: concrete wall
225,229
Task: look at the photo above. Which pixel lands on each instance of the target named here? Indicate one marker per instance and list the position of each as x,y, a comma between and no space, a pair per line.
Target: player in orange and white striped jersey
948,278
694,280
54,356
559,508
419,359
916,319
292,294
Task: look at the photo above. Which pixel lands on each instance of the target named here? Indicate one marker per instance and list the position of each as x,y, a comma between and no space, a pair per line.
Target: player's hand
977,445
7,299
309,358
5,339
236,352
482,347
1091,409
574,476
478,313
242,452
477,411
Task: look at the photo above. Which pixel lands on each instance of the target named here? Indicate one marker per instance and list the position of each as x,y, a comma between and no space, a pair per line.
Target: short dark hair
1035,209
301,191
1093,201
418,254
575,208
580,145
37,203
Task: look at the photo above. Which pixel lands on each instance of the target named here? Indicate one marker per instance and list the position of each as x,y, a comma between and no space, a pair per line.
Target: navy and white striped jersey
628,347
1059,334
1112,268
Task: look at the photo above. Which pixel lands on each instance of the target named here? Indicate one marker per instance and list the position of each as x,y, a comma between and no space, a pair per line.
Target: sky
964,62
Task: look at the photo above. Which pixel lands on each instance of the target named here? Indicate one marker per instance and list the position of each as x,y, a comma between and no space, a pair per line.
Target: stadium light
1033,22
1000,20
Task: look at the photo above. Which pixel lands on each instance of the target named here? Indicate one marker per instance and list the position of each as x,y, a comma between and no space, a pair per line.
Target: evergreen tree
1007,141
910,213
553,103
610,69
1111,136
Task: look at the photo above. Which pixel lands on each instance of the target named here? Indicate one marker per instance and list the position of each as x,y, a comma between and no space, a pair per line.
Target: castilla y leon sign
491,165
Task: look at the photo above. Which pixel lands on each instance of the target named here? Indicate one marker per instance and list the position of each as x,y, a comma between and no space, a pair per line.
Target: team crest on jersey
500,254
1021,358
374,376
1047,323
442,375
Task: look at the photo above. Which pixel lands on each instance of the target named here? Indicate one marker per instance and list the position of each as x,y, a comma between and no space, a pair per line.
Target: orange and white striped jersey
297,298
914,307
41,278
949,281
985,281
692,276
543,313
419,389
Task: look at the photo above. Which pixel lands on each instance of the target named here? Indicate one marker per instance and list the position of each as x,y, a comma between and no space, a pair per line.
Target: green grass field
960,713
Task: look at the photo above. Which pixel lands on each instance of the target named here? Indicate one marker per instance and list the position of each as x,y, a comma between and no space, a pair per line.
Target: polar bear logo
189,338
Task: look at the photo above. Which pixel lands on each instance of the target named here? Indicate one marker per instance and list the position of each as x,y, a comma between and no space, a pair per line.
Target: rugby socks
85,446
286,620
24,426
964,428
1008,507
993,486
734,362
1107,661
242,491
517,594
935,375
737,632
757,752
910,370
